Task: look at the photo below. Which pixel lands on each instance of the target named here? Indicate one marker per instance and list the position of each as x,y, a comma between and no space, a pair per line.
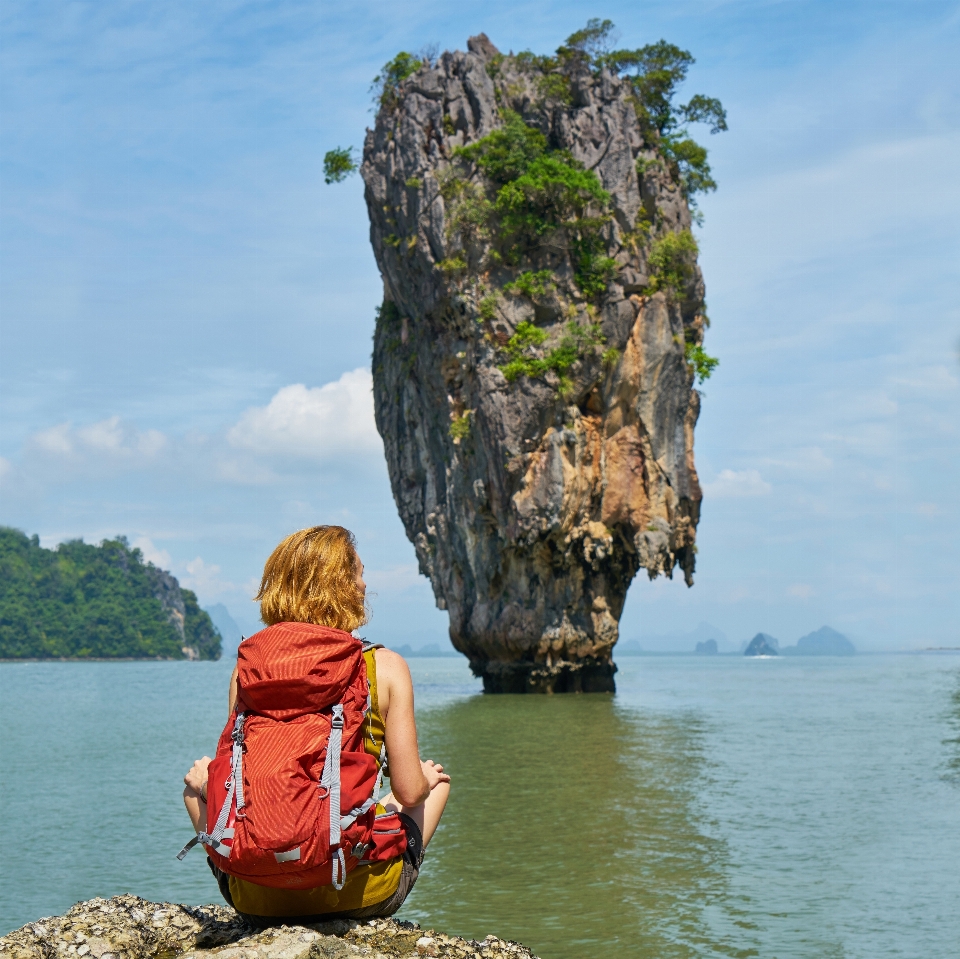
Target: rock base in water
583,676
127,927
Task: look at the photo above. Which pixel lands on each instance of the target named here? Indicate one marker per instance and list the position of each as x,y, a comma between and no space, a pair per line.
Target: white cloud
159,557
929,380
805,459
312,421
57,439
394,578
111,438
204,579
737,483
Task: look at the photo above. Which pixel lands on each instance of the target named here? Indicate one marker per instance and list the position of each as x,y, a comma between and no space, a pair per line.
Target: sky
186,309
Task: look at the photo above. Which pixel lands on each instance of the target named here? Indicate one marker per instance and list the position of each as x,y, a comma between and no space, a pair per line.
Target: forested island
81,601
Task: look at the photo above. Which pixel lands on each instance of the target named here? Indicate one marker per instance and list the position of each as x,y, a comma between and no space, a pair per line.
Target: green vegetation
469,208
540,193
391,75
611,357
555,86
460,426
338,164
592,41
655,72
488,308
671,262
505,154
699,362
532,285
83,601
522,346
453,265
513,199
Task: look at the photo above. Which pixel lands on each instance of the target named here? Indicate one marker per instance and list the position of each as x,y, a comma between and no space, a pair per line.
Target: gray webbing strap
236,783
355,813
339,870
188,847
234,788
330,780
291,855
237,759
331,772
381,762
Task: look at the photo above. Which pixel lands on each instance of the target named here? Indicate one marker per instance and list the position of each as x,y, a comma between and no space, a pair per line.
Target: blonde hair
311,577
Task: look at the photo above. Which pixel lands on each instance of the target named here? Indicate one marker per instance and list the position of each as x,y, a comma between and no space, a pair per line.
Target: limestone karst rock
127,927
533,493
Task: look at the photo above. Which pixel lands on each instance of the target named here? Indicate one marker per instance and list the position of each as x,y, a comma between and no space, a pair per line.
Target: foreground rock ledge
127,927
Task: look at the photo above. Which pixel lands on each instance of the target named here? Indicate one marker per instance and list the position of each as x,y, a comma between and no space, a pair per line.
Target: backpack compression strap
331,781
235,789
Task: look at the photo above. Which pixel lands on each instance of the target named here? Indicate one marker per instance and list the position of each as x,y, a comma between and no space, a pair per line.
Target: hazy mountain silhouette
824,642
763,644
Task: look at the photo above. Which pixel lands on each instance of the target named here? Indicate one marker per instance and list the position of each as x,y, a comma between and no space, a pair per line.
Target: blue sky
187,309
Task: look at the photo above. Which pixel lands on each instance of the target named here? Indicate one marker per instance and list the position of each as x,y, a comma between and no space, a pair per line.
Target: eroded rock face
533,503
127,927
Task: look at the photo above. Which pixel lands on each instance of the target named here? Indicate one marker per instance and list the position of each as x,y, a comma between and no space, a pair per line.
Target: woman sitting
312,598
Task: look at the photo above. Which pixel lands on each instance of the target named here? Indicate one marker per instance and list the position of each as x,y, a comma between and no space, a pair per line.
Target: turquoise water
714,807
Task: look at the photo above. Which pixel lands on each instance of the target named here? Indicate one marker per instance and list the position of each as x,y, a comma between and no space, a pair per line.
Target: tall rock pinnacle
535,353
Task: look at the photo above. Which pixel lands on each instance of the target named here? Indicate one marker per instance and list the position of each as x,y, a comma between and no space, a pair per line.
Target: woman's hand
196,779
433,773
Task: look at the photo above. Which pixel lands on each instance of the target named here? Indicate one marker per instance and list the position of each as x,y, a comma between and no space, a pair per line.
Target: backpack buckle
359,849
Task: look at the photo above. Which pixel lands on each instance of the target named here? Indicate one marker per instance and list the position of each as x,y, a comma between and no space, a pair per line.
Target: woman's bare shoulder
391,665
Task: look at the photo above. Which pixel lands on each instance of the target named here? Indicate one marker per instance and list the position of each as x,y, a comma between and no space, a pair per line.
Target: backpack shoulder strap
368,646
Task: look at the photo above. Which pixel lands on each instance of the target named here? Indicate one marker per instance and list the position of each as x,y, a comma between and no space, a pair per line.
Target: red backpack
292,792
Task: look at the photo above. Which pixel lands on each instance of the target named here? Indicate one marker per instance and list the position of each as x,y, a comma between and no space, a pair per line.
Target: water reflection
572,806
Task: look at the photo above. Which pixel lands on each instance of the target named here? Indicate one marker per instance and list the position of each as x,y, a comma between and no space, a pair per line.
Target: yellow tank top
365,886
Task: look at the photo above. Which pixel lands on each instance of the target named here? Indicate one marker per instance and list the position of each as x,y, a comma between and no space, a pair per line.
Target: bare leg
196,808
427,814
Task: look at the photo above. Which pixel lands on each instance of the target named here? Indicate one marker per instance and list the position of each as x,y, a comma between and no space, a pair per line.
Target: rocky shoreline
127,927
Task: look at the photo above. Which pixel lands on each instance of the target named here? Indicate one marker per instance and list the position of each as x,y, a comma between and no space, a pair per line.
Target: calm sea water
713,807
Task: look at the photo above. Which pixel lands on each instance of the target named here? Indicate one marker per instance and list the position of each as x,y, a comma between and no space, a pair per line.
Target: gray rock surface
127,927
532,524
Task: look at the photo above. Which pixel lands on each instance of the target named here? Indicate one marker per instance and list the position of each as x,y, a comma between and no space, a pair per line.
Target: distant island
823,642
762,645
80,601
430,650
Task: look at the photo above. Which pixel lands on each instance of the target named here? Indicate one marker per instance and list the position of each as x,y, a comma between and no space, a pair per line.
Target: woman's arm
232,697
410,779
